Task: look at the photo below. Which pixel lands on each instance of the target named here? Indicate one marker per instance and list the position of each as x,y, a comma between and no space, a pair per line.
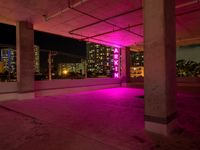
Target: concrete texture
111,119
159,62
25,57
125,65
8,90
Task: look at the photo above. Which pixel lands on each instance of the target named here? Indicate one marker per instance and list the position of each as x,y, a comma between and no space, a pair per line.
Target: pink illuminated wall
116,62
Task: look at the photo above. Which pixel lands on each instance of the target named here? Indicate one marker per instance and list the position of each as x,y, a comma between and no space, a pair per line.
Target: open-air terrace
159,111
109,119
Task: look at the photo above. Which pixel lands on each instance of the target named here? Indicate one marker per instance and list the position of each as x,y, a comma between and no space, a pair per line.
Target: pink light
116,75
116,62
116,68
116,56
116,50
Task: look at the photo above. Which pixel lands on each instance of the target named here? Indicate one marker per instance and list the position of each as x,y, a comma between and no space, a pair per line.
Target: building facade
71,70
100,60
37,58
137,64
8,59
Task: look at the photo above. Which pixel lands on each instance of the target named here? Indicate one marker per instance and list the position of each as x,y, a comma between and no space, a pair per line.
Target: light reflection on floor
111,116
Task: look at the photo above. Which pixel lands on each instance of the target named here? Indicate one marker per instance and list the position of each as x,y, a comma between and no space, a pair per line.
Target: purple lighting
116,63
116,75
116,56
116,51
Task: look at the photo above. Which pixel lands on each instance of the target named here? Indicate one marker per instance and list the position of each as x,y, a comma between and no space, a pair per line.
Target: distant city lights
65,72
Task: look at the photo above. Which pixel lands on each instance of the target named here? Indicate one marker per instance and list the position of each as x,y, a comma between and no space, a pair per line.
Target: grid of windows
100,60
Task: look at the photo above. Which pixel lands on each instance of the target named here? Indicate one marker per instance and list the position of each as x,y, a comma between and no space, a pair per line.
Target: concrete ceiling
111,22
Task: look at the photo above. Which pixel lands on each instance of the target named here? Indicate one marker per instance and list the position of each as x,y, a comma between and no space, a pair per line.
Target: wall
56,87
8,87
8,90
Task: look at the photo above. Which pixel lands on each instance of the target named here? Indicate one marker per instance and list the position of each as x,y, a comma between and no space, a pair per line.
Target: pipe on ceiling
47,18
188,4
180,14
128,27
104,20
112,43
100,20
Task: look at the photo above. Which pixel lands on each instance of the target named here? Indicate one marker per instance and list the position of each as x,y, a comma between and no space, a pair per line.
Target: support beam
125,66
25,60
160,65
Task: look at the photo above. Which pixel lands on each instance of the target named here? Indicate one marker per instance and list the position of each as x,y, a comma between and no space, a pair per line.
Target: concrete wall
9,91
191,80
8,87
56,87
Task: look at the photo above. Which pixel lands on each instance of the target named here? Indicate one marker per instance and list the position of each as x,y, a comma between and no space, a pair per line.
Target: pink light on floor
116,63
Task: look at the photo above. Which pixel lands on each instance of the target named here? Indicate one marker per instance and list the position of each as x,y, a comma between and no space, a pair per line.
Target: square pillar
25,60
125,66
160,66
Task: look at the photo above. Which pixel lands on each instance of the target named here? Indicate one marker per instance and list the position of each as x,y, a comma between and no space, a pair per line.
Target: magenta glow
116,63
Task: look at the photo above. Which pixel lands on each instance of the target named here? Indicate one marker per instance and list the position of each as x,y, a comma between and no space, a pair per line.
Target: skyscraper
8,58
37,58
100,60
137,64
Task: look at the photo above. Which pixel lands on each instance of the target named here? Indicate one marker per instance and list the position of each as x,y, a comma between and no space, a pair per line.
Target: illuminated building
8,58
65,68
137,71
37,58
137,64
100,59
1,67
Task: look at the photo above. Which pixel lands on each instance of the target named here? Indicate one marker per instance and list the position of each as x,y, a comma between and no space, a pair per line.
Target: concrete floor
110,119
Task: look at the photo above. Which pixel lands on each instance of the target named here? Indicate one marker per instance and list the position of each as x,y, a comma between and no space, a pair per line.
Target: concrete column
125,66
25,60
160,65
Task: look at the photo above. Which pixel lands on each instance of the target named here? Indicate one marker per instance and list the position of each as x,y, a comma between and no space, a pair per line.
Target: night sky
45,41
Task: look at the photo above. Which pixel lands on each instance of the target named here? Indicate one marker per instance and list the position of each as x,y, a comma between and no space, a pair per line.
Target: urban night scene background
72,58
100,75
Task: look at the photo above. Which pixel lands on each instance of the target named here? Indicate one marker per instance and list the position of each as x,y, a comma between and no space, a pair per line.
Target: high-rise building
8,58
137,58
37,58
1,67
100,60
137,64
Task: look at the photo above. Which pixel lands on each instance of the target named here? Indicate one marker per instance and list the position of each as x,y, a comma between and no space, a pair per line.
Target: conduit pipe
188,3
105,20
100,20
47,18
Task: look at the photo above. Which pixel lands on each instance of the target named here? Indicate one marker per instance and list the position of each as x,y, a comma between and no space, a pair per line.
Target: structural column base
160,125
161,128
